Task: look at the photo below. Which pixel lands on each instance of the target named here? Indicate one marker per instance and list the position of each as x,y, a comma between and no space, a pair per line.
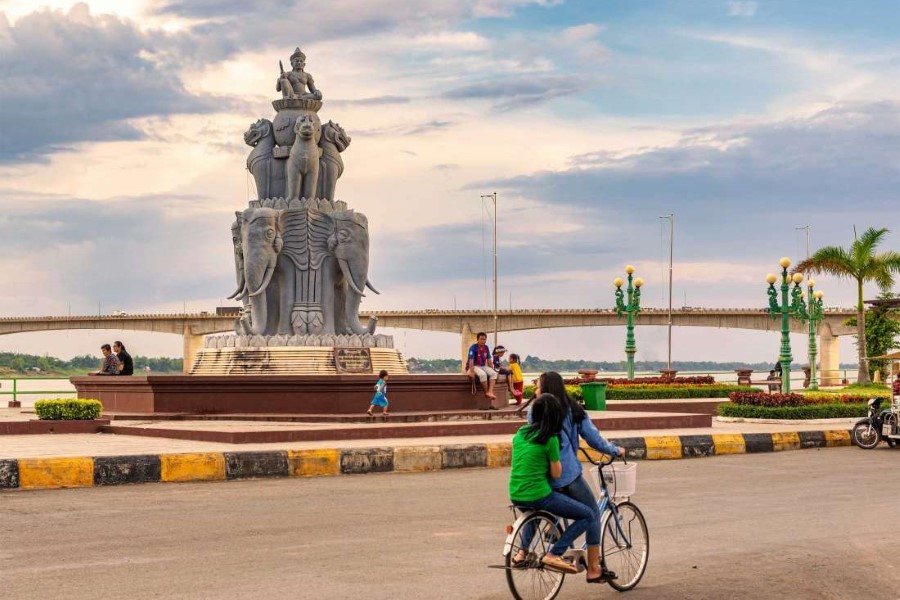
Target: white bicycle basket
621,479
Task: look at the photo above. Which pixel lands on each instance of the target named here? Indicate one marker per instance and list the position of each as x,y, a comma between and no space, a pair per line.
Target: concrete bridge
193,326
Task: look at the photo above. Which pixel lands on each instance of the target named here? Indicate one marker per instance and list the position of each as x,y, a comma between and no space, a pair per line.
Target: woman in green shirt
535,456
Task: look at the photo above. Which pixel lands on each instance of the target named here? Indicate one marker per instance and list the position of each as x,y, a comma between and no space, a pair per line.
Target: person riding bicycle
535,450
577,425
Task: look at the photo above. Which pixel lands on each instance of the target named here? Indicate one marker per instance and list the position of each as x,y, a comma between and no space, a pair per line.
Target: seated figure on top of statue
294,83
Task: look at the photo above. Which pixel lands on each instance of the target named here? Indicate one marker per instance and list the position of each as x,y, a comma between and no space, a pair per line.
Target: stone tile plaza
522,299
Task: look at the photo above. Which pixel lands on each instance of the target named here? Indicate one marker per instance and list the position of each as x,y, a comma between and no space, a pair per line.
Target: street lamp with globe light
791,304
629,308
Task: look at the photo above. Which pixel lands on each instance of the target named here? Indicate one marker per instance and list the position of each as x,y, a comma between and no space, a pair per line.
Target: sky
122,159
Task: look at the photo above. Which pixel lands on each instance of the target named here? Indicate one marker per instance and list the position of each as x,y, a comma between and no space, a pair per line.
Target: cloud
134,252
239,26
372,101
742,8
518,92
460,252
733,183
74,77
423,127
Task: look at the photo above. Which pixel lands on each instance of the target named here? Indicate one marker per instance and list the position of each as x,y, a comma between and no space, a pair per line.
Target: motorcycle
879,424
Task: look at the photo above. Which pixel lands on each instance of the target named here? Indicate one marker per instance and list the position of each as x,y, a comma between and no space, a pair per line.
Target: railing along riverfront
18,387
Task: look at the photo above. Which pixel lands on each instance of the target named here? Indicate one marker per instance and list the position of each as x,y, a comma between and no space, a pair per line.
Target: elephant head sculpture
349,244
261,243
304,270
241,325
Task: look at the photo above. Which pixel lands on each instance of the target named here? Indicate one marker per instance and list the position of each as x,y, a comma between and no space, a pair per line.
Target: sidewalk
104,444
83,460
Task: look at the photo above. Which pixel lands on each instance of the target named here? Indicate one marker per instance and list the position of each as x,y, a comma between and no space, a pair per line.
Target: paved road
803,524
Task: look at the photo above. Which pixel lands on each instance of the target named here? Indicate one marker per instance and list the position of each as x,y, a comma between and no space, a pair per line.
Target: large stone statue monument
301,256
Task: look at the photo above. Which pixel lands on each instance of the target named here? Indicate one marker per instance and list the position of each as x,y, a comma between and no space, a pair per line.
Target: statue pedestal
273,394
298,360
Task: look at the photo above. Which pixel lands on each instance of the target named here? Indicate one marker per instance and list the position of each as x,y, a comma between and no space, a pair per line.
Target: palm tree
859,262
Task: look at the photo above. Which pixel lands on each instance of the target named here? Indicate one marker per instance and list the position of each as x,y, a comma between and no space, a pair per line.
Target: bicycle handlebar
601,463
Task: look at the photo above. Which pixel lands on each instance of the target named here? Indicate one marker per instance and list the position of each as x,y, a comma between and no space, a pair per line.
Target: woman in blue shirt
577,425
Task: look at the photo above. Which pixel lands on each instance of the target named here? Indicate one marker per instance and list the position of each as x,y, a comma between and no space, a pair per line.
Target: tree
882,331
861,263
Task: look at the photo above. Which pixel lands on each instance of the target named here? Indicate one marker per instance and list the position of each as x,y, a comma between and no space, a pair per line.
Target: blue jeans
581,491
567,508
577,490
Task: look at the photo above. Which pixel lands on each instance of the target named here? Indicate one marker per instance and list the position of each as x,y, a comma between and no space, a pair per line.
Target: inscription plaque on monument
353,360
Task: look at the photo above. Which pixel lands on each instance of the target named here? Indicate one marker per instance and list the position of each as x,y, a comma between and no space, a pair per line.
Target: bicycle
624,548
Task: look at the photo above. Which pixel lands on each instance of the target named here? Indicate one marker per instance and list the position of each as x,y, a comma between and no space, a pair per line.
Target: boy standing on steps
380,398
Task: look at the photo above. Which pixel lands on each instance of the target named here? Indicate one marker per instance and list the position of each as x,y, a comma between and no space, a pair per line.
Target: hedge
655,392
617,381
68,409
658,392
805,411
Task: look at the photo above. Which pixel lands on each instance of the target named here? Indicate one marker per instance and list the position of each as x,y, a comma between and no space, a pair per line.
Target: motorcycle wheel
865,435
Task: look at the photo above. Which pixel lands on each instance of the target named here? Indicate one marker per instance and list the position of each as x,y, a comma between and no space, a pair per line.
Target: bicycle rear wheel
527,578
626,547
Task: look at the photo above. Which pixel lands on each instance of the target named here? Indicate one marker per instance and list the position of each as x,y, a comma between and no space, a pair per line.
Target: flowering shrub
654,392
612,381
763,399
818,398
811,398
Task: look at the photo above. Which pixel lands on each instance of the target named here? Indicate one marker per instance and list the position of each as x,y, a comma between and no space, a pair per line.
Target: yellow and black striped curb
43,473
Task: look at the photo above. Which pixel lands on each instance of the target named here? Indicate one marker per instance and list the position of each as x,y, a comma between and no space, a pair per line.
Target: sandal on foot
558,564
605,577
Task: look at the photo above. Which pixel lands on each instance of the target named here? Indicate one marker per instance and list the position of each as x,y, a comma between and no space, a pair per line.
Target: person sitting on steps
479,364
506,373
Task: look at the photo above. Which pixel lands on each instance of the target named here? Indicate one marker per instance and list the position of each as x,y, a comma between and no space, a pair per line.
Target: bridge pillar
192,345
829,357
467,338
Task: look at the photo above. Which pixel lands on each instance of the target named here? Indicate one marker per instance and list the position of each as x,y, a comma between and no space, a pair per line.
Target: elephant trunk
241,290
354,297
258,301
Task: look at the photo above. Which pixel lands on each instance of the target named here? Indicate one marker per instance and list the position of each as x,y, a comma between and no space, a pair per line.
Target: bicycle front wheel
525,574
626,546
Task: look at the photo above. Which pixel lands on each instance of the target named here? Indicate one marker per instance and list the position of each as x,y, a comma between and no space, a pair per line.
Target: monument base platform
293,360
275,394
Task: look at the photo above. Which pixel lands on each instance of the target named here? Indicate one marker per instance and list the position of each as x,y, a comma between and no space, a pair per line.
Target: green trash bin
594,394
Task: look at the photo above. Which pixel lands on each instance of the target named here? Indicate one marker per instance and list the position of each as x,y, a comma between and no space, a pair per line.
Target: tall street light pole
493,197
814,315
630,309
790,304
671,218
806,227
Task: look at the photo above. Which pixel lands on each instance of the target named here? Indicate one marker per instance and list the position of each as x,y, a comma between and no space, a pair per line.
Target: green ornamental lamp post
791,304
813,314
631,309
